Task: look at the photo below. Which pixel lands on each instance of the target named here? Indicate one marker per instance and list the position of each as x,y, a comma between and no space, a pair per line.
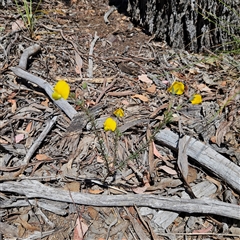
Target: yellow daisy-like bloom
176,88
110,125
61,90
196,99
119,113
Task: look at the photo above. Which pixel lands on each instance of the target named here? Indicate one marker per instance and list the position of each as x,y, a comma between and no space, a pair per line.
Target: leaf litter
123,74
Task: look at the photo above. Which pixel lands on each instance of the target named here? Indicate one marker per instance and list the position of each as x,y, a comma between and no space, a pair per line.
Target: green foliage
28,14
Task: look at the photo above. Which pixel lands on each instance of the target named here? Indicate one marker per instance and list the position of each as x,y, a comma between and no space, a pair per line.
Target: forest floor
143,184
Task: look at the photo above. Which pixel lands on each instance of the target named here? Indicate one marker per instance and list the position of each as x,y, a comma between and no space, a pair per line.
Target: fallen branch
34,189
36,144
108,13
205,156
26,54
40,139
61,103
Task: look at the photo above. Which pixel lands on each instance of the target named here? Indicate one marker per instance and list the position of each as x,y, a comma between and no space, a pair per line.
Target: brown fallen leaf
95,191
26,225
72,186
152,88
168,170
144,78
203,88
29,127
203,230
222,130
93,213
14,105
141,97
80,229
79,63
192,174
42,157
18,25
45,103
156,152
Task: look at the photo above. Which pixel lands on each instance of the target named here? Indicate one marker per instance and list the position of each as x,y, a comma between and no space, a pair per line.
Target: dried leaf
168,170
192,174
19,138
79,62
125,102
221,131
141,97
100,159
72,186
77,70
93,213
42,157
152,88
80,230
18,25
95,191
14,105
182,157
156,152
203,88
213,139
45,103
140,189
26,225
203,230
144,78
29,127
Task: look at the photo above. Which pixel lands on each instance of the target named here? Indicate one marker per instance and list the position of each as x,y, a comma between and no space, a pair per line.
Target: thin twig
90,60
104,91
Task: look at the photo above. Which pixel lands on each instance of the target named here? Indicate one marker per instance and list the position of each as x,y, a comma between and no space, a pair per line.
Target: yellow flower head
176,88
61,90
119,112
110,125
196,99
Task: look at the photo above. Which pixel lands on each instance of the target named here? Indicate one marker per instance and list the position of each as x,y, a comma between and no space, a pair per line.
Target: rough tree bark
191,24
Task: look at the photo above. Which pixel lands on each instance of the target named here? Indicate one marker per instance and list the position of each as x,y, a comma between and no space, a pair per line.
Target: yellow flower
110,125
176,88
119,112
196,99
61,90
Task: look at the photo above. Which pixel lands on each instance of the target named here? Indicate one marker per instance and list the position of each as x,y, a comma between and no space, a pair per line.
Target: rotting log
192,25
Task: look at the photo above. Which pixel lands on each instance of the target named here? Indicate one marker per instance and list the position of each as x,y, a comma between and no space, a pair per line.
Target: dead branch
26,54
108,13
205,156
40,139
34,189
61,103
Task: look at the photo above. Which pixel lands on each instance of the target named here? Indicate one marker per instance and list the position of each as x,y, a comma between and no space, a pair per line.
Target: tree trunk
191,24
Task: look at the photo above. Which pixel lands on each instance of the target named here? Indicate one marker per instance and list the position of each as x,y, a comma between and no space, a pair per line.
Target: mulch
172,172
